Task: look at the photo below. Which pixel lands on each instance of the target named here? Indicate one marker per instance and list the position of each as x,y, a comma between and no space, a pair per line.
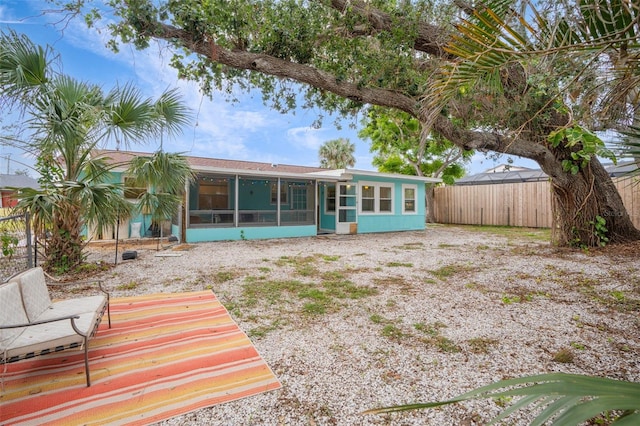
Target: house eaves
392,175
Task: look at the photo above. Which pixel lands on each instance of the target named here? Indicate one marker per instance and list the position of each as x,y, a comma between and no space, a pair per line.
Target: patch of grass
533,234
314,308
578,346
445,245
564,355
445,344
131,285
448,271
315,294
410,246
507,300
332,276
481,345
264,269
396,281
345,289
262,330
329,258
86,268
306,269
224,276
304,265
434,338
399,264
478,287
269,291
503,401
393,332
377,319
430,329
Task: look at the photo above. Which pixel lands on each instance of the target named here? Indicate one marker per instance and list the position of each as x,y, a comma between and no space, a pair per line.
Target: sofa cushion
51,336
35,294
80,305
11,312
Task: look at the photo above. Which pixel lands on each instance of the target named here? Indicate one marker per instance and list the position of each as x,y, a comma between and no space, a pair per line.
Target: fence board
526,204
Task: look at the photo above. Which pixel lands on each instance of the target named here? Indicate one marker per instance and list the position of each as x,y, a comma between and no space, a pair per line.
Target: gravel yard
350,323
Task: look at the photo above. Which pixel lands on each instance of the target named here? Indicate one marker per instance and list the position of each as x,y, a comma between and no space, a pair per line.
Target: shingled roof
202,163
524,174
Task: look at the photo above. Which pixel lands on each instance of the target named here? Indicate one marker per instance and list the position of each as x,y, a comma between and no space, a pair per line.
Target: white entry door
347,214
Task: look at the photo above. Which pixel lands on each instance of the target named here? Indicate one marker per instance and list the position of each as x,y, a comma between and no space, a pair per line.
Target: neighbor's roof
202,164
533,175
18,181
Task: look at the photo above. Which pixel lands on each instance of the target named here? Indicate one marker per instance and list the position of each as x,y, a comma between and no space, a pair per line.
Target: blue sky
242,131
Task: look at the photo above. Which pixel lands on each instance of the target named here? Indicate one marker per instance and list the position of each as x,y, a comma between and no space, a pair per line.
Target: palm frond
563,398
163,171
129,115
23,65
171,111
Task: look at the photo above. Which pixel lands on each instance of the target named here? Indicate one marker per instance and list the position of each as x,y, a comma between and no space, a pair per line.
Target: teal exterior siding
398,219
197,235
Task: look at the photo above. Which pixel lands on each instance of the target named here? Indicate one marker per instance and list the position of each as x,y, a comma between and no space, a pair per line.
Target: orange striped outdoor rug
165,355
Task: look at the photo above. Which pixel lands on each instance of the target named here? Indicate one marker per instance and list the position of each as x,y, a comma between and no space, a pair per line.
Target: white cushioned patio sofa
32,325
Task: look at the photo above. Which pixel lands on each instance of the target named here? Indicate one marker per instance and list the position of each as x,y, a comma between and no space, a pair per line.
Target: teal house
232,200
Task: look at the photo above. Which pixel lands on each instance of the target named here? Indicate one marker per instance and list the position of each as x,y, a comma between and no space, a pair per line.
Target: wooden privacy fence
526,204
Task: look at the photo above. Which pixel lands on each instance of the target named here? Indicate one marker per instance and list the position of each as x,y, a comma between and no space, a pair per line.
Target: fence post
508,216
481,216
27,226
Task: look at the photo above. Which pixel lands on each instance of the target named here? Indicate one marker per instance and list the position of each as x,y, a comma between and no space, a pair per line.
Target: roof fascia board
392,175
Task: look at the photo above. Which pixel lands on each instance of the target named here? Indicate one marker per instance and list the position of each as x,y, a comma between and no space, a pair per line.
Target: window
368,198
283,193
376,198
213,193
330,194
409,198
385,199
132,190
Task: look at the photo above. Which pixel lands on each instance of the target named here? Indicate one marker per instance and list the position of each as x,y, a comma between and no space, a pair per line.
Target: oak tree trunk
588,210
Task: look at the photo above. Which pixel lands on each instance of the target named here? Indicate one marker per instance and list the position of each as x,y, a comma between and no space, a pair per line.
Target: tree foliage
397,141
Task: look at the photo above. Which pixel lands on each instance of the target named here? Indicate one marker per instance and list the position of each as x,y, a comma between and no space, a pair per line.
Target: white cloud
307,137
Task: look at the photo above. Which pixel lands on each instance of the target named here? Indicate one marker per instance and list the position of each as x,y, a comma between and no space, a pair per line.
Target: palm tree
166,176
67,119
337,154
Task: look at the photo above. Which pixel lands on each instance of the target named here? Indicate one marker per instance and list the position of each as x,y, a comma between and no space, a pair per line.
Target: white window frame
376,197
415,199
326,199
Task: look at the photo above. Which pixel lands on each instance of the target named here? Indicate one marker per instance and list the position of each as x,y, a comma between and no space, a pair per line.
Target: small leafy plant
9,244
